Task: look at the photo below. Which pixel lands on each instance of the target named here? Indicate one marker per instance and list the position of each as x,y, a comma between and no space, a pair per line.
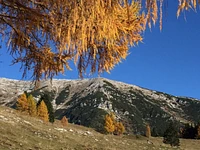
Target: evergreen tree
46,98
148,131
171,135
109,124
43,112
189,131
32,106
64,121
22,103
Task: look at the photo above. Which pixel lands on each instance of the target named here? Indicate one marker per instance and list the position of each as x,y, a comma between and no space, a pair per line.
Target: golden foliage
22,103
112,126
148,131
64,121
109,124
151,7
32,106
45,35
119,128
42,111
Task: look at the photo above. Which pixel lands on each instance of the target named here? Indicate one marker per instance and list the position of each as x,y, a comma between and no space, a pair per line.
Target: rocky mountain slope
87,101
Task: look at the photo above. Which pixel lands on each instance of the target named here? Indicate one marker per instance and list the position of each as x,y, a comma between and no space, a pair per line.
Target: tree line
27,105
42,109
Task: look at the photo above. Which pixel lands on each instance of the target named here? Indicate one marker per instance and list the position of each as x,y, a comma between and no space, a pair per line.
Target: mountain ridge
87,101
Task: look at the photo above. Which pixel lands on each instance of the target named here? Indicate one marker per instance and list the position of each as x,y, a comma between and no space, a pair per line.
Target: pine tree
43,112
32,106
148,131
22,103
171,135
109,124
64,121
46,98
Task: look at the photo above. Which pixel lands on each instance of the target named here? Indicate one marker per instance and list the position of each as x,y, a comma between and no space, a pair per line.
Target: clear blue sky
167,61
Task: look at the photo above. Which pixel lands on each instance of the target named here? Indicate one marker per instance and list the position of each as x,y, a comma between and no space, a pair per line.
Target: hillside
21,132
86,102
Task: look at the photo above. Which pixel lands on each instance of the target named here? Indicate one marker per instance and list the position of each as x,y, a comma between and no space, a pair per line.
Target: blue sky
167,60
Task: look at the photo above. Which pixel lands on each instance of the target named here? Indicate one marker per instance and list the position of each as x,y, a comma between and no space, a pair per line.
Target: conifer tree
43,112
171,135
119,128
109,124
46,98
83,31
112,116
22,103
148,131
64,121
32,106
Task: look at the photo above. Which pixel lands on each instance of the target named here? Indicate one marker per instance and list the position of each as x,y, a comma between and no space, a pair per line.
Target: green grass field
21,132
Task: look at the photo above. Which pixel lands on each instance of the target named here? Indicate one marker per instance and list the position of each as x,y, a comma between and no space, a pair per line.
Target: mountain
22,132
86,102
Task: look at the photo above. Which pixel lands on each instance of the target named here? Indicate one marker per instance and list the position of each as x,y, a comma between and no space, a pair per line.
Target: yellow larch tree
148,131
32,106
22,103
46,35
42,111
97,34
109,124
112,126
64,121
119,128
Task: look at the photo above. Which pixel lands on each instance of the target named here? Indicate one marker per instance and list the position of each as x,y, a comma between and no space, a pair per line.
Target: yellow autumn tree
64,121
45,35
22,103
119,128
109,124
148,131
112,126
32,109
42,111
